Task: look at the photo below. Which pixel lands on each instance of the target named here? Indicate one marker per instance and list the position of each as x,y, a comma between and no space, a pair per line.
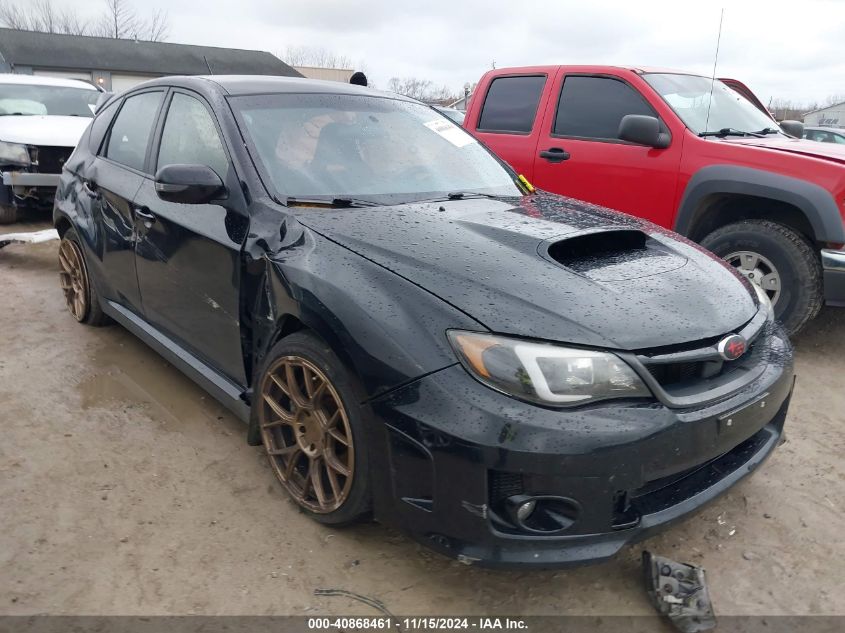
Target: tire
307,459
8,214
789,254
81,298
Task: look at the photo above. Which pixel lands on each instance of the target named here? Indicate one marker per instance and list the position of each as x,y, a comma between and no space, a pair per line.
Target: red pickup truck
656,144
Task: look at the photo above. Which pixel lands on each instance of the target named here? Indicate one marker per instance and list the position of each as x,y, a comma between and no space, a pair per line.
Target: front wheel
312,427
779,260
80,295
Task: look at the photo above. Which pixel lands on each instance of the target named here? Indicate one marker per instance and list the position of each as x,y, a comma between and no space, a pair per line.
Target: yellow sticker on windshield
451,132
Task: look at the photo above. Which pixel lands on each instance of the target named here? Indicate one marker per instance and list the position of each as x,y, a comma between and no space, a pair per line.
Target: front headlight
13,153
764,300
544,373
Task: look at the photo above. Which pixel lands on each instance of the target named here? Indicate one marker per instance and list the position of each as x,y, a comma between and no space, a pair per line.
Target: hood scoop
613,255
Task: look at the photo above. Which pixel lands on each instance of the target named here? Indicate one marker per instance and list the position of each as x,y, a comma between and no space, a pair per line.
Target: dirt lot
124,489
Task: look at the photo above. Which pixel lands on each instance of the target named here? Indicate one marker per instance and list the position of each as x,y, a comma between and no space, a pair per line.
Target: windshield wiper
768,130
730,131
464,195
330,203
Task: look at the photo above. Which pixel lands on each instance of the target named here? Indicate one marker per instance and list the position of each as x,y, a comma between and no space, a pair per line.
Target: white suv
41,120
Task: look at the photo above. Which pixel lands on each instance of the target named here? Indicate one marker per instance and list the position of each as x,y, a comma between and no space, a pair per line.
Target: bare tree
120,20
785,109
40,15
422,90
315,57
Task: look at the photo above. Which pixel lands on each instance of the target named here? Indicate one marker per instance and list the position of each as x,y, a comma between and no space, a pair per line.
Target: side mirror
189,184
643,130
793,128
102,99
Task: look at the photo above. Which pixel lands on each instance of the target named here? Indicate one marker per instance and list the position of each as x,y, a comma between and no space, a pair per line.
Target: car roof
12,78
265,84
592,68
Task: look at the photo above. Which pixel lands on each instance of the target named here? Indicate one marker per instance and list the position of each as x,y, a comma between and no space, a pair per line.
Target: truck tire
780,260
8,214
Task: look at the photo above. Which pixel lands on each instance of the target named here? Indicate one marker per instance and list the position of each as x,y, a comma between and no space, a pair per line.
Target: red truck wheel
778,259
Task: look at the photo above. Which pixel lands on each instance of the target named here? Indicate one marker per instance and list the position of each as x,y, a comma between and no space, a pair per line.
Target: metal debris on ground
679,591
34,237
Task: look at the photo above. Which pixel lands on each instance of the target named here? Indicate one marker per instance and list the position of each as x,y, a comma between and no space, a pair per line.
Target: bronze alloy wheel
306,434
74,279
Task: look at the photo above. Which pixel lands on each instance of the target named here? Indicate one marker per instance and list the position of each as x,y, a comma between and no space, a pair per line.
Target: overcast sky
793,50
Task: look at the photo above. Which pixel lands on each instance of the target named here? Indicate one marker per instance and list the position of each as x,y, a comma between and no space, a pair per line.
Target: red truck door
506,115
579,153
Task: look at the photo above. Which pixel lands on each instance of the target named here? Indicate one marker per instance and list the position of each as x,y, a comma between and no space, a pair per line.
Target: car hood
541,268
826,151
53,131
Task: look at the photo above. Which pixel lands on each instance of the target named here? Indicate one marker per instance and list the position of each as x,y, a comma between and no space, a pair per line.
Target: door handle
90,189
555,154
144,214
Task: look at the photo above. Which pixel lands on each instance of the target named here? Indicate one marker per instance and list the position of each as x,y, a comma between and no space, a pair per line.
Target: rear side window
511,104
593,107
130,134
101,125
190,137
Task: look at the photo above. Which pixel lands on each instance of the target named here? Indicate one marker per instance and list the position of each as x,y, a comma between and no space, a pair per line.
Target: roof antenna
715,61
211,72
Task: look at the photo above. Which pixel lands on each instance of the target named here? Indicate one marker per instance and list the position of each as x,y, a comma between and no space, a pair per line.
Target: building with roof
830,116
120,64
329,74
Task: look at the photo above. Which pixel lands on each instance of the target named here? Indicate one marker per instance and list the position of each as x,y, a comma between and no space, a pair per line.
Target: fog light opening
542,514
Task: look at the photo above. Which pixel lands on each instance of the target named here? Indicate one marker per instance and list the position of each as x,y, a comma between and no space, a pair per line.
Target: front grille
504,485
675,373
692,373
52,159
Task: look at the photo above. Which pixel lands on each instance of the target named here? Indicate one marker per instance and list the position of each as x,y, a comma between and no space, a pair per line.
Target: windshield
689,96
24,99
380,149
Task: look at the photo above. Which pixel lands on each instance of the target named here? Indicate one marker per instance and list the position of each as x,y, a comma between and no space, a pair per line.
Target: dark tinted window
190,137
130,133
592,107
101,125
511,104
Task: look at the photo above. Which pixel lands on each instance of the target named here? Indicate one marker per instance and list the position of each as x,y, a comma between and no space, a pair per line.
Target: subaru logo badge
732,347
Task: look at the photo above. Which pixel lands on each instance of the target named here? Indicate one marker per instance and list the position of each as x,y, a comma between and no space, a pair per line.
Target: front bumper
833,265
28,190
26,179
453,447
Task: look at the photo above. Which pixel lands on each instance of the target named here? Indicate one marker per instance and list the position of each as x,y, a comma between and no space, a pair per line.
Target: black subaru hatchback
410,331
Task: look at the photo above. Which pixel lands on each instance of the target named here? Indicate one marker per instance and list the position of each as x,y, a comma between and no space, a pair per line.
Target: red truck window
592,107
511,104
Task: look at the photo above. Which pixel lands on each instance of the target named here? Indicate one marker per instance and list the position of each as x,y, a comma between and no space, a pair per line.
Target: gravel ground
125,489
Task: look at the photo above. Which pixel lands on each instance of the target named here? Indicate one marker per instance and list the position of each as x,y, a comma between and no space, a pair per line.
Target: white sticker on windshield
93,108
451,132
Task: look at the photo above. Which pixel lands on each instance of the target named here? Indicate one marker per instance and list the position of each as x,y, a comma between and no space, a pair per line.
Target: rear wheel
8,214
80,296
779,260
311,425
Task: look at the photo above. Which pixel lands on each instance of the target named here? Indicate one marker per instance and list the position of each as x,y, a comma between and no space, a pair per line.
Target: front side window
703,110
190,137
593,107
35,99
386,150
130,134
511,104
